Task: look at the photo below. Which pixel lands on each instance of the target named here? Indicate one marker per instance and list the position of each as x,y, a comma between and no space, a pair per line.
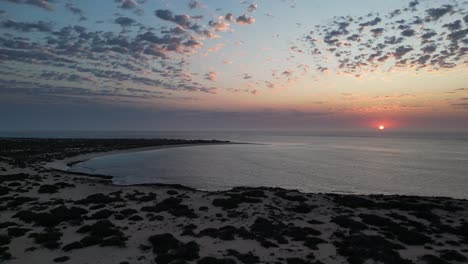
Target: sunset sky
230,64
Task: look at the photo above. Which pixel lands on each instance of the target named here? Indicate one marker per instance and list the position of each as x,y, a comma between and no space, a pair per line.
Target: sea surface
428,164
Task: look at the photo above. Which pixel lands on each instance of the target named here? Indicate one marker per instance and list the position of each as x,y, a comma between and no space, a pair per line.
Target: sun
381,127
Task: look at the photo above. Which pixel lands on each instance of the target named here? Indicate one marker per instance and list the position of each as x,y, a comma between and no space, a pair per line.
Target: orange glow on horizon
381,127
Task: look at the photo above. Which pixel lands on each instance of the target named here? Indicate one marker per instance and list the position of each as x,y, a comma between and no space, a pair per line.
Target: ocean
427,164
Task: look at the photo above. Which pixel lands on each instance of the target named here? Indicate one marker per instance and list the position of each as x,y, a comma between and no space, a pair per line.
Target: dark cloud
437,13
218,25
27,26
370,23
394,13
126,4
456,25
229,17
252,8
393,40
42,90
192,43
461,105
209,90
30,56
429,48
413,4
156,51
193,4
377,31
125,21
245,20
76,10
458,35
60,76
44,4
429,35
184,21
176,31
408,33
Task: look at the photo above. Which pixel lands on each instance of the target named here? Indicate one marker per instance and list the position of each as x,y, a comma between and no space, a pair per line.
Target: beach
50,215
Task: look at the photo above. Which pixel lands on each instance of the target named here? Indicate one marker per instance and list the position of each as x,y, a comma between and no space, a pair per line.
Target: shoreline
62,165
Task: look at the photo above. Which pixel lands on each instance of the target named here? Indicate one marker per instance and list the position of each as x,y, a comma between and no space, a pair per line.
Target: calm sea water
385,163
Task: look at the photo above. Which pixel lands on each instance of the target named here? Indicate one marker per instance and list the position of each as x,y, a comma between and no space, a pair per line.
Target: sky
233,65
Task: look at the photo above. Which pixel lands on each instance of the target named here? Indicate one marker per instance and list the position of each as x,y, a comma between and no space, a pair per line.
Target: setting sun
381,127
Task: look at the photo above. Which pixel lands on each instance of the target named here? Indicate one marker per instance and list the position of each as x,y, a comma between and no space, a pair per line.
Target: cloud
461,105
31,56
370,23
40,26
429,49
402,51
413,3
51,75
192,43
214,48
270,85
408,33
364,44
252,8
156,51
160,46
44,4
49,91
126,4
456,25
457,35
176,31
219,25
75,10
194,4
125,21
377,31
184,21
209,90
212,76
287,73
245,20
229,17
437,13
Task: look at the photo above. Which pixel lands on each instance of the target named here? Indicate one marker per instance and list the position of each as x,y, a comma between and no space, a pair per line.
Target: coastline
64,164
55,216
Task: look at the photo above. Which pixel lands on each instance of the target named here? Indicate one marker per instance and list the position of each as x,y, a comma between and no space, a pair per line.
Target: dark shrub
212,260
47,188
49,238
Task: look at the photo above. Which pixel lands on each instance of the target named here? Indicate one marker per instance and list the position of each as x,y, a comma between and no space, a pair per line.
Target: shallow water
397,164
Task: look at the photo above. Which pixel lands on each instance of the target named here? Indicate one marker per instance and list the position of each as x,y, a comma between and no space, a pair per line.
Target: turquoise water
409,164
